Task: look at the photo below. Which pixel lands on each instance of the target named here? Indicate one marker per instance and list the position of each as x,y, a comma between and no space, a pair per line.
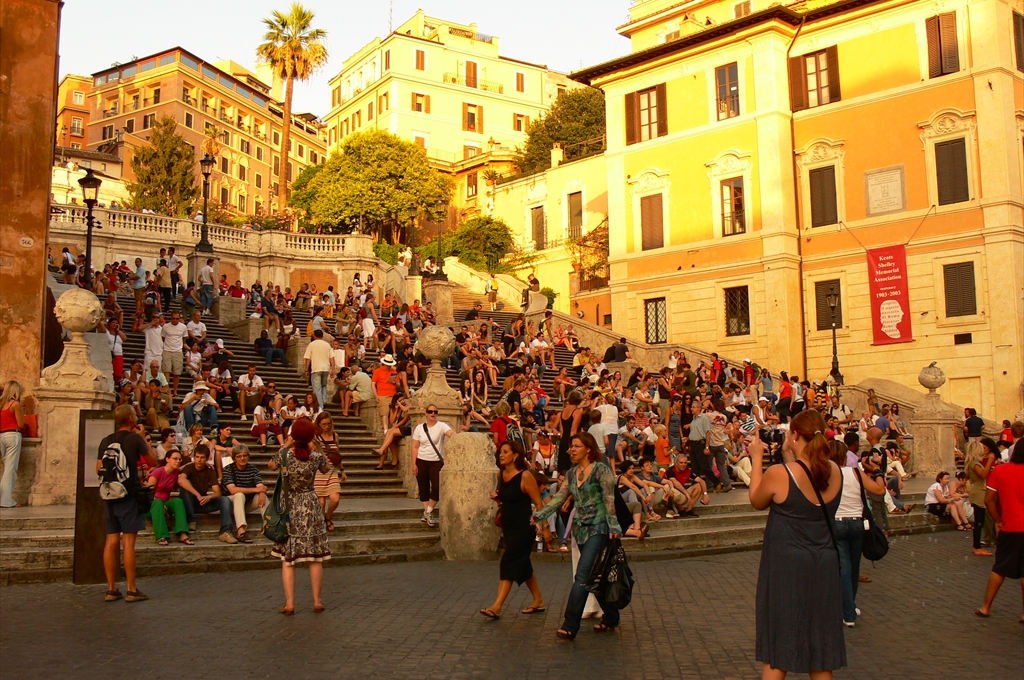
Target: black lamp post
414,266
204,245
833,302
439,275
90,194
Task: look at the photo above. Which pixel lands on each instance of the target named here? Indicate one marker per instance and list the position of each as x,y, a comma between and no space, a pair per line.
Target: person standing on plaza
319,358
122,517
385,386
799,589
172,336
569,424
307,529
174,264
517,491
591,484
12,419
138,284
700,451
163,284
978,462
492,291
328,485
153,331
207,279
428,441
1004,500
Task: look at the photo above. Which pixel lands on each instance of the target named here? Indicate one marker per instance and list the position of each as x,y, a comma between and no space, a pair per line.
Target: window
520,82
382,103
241,202
369,111
943,57
741,10
539,224
244,146
313,158
814,79
226,136
186,95
277,138
733,214
225,196
275,189
259,181
129,125
225,166
277,166
823,196
469,151
77,126
76,145
241,172
156,95
472,118
302,151
421,60
148,120
646,114
288,176
575,201
958,280
78,97
387,60
1018,39
421,102
737,311
471,185
335,96
471,74
420,141
656,321
951,171
189,120
670,36
822,289
259,153
652,222
108,132
520,123
727,81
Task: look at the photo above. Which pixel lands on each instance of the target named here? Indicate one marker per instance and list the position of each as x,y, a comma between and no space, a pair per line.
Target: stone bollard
440,293
229,310
467,513
934,426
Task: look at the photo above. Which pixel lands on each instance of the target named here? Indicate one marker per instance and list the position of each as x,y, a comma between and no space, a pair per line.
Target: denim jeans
276,353
221,504
318,380
206,295
208,417
10,449
702,462
894,491
578,594
721,457
850,541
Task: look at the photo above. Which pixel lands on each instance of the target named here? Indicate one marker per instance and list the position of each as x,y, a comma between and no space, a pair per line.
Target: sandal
564,635
287,611
602,628
186,540
162,541
864,579
113,596
961,527
379,467
563,548
318,608
535,610
489,614
984,616
244,537
330,525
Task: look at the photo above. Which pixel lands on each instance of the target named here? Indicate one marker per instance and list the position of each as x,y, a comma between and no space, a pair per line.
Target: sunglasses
432,412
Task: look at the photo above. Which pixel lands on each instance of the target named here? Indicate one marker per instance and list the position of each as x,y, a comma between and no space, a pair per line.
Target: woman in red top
165,480
785,398
11,421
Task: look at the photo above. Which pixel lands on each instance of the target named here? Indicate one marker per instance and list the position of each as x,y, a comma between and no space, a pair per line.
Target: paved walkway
690,618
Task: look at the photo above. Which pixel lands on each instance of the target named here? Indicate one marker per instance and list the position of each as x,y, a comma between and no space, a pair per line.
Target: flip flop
978,612
564,635
162,541
330,525
864,579
535,610
489,614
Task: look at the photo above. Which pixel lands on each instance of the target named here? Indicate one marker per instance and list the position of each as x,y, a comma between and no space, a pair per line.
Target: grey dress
307,530
799,594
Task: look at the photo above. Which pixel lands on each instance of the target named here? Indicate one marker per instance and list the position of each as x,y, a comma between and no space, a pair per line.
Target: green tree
165,172
377,175
483,243
295,51
576,116
301,198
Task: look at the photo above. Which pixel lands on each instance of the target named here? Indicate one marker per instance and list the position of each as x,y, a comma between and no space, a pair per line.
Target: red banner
890,301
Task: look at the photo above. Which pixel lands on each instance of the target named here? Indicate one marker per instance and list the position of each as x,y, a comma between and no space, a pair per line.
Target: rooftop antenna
391,16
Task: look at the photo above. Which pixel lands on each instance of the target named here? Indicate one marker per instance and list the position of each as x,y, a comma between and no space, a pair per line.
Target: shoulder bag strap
426,431
824,510
863,500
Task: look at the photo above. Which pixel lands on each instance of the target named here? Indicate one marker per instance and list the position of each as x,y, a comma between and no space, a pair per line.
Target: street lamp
90,194
204,245
439,275
833,302
414,266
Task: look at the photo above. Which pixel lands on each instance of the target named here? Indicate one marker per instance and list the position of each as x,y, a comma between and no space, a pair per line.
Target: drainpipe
796,210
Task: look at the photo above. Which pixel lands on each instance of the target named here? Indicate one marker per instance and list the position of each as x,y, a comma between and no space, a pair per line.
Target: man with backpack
118,467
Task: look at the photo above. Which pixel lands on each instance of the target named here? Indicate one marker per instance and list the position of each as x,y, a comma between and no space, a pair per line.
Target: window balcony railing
188,100
226,118
110,113
77,131
206,108
133,105
259,135
151,101
475,83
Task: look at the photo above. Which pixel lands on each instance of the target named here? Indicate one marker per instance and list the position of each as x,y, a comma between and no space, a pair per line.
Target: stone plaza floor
690,618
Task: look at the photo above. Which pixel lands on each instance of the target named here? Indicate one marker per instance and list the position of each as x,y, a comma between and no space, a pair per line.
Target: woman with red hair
307,529
799,591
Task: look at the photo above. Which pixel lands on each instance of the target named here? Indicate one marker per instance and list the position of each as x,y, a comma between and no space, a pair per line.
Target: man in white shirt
174,263
319,358
173,336
840,412
427,460
196,327
541,350
250,387
207,279
200,406
154,339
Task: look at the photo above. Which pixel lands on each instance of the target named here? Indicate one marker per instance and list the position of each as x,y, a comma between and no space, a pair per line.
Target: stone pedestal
626,367
413,289
196,261
935,428
467,512
296,352
440,293
247,329
405,468
229,309
538,303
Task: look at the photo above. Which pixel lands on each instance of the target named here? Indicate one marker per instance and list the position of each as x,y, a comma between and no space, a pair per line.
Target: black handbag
611,579
144,498
276,520
876,545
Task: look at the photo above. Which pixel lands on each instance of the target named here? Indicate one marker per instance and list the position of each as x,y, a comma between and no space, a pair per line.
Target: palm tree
211,140
294,50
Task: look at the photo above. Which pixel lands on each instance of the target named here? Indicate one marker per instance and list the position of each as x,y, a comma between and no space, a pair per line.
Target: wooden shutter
420,60
662,109
797,84
931,26
651,223
465,116
480,119
631,118
537,218
413,101
947,34
471,74
951,171
822,310
823,196
526,124
1018,39
958,281
426,103
832,60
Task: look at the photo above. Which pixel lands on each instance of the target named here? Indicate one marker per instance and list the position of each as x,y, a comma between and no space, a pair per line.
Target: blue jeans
318,380
850,541
276,353
208,417
893,485
221,504
579,593
206,295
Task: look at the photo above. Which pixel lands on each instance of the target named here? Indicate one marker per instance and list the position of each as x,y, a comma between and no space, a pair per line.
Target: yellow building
446,87
125,101
72,111
757,154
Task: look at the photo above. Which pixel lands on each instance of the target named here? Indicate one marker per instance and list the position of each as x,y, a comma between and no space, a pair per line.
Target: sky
563,34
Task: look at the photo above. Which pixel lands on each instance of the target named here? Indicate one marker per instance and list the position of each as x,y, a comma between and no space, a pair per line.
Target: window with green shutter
1018,39
823,196
951,171
822,289
652,225
961,298
943,56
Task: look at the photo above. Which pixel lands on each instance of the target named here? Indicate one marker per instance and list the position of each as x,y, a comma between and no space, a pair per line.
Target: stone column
934,427
467,512
196,261
71,385
413,289
229,309
440,293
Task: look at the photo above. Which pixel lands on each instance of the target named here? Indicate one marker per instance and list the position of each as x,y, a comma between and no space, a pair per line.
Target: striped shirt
243,479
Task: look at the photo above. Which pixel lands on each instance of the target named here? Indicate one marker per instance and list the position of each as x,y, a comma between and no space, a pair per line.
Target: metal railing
476,83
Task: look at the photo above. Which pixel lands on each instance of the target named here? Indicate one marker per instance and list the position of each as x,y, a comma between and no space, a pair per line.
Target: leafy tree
589,253
295,50
483,243
301,198
377,175
576,116
165,172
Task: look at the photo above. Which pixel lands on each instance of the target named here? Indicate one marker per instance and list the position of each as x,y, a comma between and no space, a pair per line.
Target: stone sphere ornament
78,310
932,377
436,342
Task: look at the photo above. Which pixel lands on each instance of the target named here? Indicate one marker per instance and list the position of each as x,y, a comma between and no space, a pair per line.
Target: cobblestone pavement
690,618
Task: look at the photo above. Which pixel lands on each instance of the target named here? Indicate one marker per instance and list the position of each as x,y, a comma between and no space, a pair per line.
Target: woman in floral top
592,487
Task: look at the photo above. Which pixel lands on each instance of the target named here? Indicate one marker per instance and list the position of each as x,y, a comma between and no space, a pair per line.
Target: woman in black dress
568,425
799,592
517,490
